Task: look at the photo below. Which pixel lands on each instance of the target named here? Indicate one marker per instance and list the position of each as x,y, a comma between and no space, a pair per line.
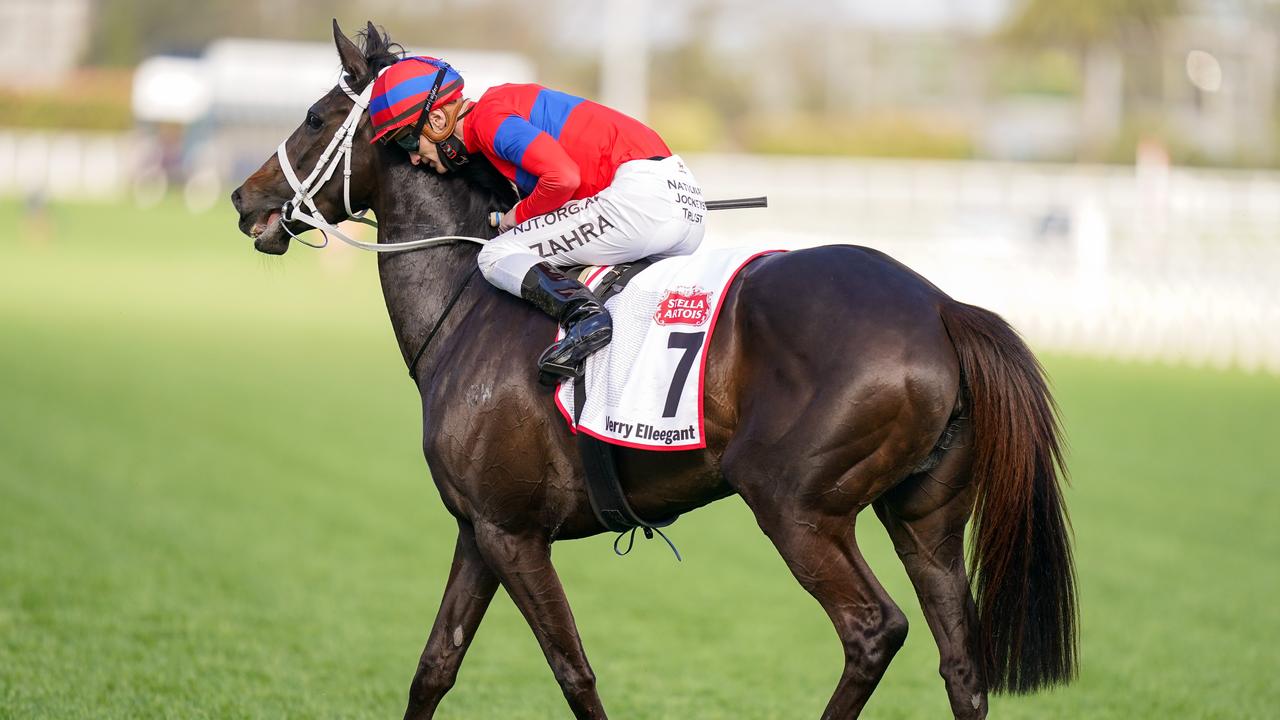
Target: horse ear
352,58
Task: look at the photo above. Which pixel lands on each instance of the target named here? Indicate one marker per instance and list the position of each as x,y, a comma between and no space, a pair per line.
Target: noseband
302,207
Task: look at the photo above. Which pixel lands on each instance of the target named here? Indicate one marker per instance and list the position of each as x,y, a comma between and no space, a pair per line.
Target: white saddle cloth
644,390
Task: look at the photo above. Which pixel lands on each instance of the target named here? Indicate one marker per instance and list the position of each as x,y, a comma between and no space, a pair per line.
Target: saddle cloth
644,389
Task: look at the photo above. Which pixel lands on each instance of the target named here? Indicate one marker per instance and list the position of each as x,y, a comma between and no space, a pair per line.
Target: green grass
213,505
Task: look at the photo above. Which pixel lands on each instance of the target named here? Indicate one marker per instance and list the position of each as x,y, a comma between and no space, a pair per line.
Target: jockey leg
524,261
652,208
587,325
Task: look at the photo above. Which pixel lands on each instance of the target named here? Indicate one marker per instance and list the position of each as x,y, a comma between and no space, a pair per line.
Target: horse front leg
467,594
523,564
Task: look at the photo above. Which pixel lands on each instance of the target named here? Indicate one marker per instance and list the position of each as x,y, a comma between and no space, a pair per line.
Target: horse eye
314,122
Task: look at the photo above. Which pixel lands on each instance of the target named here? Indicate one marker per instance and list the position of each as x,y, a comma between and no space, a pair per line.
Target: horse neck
417,285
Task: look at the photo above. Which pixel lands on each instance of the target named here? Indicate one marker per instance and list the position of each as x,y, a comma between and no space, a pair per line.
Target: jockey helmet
400,92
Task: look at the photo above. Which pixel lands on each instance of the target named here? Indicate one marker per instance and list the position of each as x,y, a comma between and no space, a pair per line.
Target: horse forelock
380,52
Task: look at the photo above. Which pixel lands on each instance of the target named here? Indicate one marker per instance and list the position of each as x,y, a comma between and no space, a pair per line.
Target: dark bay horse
839,380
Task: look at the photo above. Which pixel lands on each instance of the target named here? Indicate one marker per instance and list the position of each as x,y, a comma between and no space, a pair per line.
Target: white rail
1178,265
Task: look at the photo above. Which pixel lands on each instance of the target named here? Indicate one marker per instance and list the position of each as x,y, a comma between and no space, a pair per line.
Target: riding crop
495,218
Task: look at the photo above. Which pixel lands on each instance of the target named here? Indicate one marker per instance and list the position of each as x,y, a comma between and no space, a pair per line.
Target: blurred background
211,488
1103,171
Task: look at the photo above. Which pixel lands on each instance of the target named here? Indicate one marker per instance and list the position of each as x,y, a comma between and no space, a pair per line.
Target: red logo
684,306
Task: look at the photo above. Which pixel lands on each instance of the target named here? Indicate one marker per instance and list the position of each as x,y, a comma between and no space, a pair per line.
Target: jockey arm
538,154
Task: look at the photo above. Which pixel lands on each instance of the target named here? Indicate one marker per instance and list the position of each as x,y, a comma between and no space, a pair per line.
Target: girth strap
604,486
599,463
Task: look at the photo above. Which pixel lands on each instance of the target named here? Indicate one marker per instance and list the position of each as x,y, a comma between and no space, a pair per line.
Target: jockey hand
508,220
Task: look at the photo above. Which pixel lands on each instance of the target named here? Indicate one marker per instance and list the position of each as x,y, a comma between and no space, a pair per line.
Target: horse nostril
236,199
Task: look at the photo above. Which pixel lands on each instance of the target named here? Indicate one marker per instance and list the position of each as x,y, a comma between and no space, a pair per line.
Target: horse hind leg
822,553
926,516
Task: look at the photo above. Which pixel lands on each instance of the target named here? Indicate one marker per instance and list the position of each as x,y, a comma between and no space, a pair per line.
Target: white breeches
653,208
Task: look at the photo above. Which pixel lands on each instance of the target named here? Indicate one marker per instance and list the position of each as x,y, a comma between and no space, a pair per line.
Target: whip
495,218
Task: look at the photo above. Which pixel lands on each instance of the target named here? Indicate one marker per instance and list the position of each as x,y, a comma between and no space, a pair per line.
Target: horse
838,379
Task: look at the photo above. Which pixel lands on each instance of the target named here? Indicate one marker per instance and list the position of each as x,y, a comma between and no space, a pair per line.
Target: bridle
302,207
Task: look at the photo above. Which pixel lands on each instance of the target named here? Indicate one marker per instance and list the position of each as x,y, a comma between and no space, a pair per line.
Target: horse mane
481,175
381,52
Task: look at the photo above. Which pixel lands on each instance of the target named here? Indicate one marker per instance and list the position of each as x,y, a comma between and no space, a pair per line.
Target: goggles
407,140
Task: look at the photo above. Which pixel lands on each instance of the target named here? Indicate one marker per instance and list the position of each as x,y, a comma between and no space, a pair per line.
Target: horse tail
1020,554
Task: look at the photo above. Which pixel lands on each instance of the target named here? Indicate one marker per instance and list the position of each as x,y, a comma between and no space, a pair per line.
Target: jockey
597,187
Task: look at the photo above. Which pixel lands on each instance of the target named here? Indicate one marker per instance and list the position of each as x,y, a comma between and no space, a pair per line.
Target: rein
338,152
413,365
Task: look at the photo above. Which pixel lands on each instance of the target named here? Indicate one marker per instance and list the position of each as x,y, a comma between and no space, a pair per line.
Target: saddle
615,278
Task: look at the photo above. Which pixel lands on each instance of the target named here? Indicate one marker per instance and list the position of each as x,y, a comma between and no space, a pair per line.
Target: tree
1094,31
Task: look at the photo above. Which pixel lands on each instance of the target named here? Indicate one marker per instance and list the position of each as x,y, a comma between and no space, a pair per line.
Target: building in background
208,122
42,41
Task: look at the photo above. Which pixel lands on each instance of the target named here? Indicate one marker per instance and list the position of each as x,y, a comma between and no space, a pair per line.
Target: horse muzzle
269,235
265,226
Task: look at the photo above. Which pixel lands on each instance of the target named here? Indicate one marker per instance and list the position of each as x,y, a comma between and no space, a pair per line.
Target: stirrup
567,357
551,374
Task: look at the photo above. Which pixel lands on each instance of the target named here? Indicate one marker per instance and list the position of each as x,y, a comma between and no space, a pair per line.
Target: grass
213,505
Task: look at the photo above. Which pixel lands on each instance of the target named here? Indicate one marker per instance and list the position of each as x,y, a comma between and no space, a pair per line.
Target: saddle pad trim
591,276
702,371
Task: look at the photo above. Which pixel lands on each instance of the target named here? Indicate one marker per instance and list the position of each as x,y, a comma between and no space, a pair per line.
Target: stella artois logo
684,306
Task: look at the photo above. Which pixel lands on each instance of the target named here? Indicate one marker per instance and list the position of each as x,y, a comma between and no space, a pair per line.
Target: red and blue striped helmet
400,91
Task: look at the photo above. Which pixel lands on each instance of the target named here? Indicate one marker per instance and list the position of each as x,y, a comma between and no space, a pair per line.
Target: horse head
268,195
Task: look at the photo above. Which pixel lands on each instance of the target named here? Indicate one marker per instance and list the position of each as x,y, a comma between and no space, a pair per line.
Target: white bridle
338,152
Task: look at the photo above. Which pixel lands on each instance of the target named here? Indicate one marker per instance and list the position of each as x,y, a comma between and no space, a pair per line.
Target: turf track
213,505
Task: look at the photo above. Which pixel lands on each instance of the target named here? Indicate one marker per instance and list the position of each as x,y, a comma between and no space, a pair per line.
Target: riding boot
587,324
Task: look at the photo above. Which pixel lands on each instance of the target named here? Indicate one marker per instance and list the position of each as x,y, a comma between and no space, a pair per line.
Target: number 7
690,343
